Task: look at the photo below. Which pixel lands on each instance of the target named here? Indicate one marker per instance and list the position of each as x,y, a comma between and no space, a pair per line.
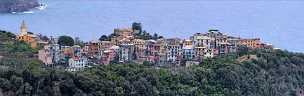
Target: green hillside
247,73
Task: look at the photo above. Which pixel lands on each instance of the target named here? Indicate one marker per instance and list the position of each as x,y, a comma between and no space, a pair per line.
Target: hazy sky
277,22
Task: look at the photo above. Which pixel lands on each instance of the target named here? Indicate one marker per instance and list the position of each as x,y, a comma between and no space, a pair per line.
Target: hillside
270,73
7,6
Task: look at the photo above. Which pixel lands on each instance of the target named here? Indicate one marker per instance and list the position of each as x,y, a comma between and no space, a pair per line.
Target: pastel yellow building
251,43
122,35
139,48
26,36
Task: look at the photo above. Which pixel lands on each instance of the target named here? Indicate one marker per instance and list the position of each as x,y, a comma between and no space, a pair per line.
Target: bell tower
23,28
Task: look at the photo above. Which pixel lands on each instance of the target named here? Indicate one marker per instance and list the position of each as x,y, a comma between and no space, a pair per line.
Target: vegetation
137,26
139,34
10,47
104,38
272,73
275,73
147,36
66,41
79,42
6,36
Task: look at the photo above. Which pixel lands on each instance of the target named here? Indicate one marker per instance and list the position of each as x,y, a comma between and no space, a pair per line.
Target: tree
65,41
137,26
145,35
242,50
5,36
43,38
25,90
147,63
160,37
79,42
104,38
155,36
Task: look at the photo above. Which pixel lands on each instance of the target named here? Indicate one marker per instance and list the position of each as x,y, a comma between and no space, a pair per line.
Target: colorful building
104,45
26,36
202,46
124,48
107,57
162,52
201,40
126,52
233,44
139,49
188,50
50,54
251,43
152,51
173,50
93,50
122,35
77,63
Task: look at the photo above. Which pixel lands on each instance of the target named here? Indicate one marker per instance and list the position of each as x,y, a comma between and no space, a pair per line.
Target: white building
77,63
188,52
126,52
233,44
201,40
173,50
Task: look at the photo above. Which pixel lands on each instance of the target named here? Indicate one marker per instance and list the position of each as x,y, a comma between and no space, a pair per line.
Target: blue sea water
280,23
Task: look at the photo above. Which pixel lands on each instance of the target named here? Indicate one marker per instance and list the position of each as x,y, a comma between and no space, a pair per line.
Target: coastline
19,6
41,6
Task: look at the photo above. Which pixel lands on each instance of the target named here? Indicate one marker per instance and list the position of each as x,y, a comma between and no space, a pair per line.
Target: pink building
152,51
44,55
92,49
109,55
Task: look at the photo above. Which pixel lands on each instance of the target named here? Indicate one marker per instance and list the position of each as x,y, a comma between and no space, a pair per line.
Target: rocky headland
9,6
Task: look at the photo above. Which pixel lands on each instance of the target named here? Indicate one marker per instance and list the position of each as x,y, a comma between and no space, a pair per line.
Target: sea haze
277,22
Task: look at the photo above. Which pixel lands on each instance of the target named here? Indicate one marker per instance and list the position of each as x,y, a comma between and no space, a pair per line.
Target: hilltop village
134,45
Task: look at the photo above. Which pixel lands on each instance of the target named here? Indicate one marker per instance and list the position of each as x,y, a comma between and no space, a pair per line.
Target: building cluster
33,40
125,46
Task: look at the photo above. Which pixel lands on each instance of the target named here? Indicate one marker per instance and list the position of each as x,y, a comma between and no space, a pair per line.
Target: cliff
7,6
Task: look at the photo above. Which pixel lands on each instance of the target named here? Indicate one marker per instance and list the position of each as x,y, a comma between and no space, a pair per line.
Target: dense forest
247,73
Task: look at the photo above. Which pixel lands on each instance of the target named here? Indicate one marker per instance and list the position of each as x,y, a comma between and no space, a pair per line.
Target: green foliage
5,36
104,38
140,34
143,35
137,26
66,41
273,73
79,42
147,63
242,50
18,46
9,47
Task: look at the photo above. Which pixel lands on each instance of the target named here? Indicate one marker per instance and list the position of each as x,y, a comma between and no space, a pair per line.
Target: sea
280,23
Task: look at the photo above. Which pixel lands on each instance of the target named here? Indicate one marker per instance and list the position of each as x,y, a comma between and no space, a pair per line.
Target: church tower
23,28
26,37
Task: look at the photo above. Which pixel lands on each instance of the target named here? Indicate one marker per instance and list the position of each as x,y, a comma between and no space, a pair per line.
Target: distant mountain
7,6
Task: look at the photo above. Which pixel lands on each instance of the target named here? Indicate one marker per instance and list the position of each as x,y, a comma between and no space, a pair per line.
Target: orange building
251,43
26,36
93,50
187,43
122,35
